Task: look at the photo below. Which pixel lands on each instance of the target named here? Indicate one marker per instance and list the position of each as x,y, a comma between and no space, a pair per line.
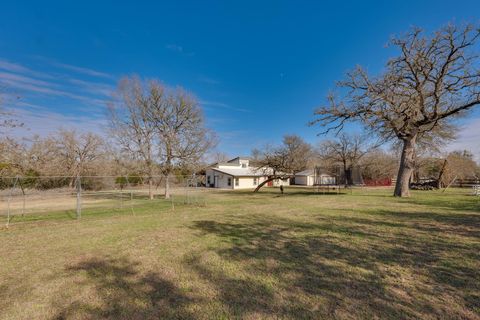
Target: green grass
304,255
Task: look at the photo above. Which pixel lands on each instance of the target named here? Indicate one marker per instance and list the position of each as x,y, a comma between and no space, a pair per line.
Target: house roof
308,172
241,172
311,172
228,162
239,158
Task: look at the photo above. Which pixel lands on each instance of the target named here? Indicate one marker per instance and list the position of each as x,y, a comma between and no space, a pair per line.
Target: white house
309,178
237,174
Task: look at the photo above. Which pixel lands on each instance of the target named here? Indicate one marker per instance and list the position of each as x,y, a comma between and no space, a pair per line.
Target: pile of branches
425,185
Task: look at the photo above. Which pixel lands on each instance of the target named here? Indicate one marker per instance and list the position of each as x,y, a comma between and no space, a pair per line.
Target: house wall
244,183
247,182
279,182
244,163
241,162
208,178
301,180
222,179
305,180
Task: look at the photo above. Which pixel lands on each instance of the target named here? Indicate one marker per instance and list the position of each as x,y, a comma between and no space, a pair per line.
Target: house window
229,181
244,165
255,181
208,180
237,182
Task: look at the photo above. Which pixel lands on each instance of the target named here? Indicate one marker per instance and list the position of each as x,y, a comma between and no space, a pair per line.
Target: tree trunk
271,179
440,175
167,186
407,165
150,178
167,170
264,183
150,189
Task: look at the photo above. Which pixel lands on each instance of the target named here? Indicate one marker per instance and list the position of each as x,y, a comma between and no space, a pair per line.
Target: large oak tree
180,127
434,78
131,126
163,127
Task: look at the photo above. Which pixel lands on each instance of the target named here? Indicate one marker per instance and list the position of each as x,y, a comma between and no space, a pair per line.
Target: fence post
23,196
186,200
79,197
10,199
131,194
122,185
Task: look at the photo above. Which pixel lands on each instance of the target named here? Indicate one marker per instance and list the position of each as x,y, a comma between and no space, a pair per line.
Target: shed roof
308,172
311,172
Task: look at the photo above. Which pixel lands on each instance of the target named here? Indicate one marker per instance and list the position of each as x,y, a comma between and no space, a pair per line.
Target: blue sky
259,68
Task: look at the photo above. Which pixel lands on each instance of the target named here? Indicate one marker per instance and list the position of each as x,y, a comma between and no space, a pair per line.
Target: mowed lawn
361,255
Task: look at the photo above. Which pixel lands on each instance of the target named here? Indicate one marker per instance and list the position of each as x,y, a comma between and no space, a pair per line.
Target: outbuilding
310,178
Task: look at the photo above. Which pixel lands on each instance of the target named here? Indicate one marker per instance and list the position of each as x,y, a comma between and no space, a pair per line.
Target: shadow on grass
325,270
461,203
269,249
315,193
466,224
121,292
276,193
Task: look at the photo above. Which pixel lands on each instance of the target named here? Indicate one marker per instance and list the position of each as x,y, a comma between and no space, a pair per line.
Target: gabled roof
308,172
242,172
228,162
238,158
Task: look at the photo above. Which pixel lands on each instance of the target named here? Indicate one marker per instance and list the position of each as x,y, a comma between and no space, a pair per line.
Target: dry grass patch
303,255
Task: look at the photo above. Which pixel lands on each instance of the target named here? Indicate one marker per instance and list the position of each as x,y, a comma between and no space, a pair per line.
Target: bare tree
434,79
162,127
77,153
131,126
219,157
42,156
347,150
179,124
65,153
378,164
13,158
283,162
457,165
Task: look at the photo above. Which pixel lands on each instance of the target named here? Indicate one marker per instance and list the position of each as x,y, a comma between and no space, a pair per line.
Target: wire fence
31,198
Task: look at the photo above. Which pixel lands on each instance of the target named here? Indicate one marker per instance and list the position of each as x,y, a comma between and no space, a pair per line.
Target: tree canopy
284,161
434,79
